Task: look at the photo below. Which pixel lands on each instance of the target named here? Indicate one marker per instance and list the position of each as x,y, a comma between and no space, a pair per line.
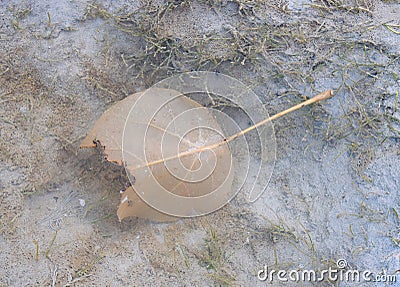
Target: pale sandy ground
334,193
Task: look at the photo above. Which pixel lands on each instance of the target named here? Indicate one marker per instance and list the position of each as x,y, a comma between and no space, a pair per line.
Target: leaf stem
322,96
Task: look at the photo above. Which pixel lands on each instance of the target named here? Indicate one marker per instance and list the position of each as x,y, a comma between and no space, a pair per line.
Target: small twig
48,19
36,242
51,244
391,27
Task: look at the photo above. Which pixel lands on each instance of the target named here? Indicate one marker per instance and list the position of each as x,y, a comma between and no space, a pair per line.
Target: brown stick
323,96
317,98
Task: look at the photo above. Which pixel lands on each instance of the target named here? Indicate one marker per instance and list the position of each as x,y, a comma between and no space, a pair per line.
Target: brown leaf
153,143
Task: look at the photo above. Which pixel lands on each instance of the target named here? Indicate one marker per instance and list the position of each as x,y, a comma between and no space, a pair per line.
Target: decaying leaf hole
189,151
